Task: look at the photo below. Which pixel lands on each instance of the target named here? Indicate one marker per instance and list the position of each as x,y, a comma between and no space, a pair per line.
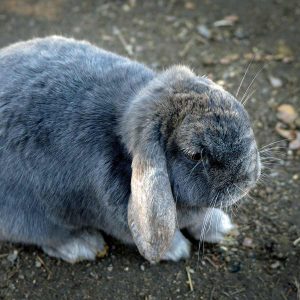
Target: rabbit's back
60,102
57,90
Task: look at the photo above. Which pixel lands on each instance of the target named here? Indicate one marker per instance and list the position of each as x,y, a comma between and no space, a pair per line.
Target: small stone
110,268
94,275
142,267
240,33
234,267
76,29
223,249
275,82
248,242
126,7
21,276
38,264
208,60
296,177
204,31
275,265
189,5
126,269
12,257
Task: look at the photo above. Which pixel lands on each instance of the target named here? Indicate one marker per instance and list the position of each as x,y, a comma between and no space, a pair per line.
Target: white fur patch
213,226
180,248
83,247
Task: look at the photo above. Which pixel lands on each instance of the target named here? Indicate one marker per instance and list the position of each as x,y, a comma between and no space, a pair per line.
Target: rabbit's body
67,149
62,162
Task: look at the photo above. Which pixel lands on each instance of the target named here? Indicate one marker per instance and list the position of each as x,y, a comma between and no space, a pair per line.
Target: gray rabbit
91,141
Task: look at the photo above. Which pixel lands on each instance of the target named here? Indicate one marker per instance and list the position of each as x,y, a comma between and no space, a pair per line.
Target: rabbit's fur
90,141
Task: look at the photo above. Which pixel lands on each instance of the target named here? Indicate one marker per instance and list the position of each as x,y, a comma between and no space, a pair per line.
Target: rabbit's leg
210,225
84,245
180,248
57,240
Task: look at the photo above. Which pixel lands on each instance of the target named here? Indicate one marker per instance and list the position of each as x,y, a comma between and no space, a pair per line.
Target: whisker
248,97
252,81
244,192
203,164
247,69
265,146
272,149
271,158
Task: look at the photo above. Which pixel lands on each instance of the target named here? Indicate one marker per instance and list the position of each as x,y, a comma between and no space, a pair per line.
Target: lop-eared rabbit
91,141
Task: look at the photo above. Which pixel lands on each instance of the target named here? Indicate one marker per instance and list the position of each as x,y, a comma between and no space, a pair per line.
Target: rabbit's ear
151,210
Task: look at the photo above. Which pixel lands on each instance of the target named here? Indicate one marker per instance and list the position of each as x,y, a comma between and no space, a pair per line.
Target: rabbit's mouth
230,196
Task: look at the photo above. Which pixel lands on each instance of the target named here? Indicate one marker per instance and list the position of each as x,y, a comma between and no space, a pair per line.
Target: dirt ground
261,259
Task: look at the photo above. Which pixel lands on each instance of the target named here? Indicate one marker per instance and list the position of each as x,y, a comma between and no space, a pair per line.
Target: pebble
38,264
142,267
275,265
204,31
296,177
248,242
234,267
240,33
275,82
110,268
12,257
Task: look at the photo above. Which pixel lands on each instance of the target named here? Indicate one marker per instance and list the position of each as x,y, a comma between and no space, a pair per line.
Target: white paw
86,246
180,248
213,226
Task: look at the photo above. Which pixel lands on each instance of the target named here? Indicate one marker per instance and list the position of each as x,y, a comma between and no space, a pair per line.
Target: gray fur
83,130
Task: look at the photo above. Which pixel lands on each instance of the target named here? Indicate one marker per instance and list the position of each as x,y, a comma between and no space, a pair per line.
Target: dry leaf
286,133
283,51
189,5
295,144
227,21
286,113
229,59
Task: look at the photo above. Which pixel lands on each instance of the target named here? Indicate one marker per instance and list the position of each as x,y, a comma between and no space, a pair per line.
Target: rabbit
94,142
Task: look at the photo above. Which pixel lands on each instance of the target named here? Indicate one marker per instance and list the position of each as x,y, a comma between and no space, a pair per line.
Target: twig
201,40
186,48
127,47
295,242
237,292
297,285
226,294
12,274
3,255
189,279
283,296
212,293
45,267
211,262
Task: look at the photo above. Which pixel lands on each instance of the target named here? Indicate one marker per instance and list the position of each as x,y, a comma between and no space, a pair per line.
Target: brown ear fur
151,210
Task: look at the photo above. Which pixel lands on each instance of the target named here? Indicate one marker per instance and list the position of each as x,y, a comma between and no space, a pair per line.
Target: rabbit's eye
195,156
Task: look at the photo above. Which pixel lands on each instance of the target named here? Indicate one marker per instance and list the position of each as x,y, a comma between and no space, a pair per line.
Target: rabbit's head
192,146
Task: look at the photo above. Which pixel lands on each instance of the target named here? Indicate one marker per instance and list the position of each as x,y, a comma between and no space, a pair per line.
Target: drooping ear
151,209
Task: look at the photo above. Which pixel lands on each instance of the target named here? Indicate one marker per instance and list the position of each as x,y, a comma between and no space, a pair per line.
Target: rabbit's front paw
212,227
180,248
85,246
